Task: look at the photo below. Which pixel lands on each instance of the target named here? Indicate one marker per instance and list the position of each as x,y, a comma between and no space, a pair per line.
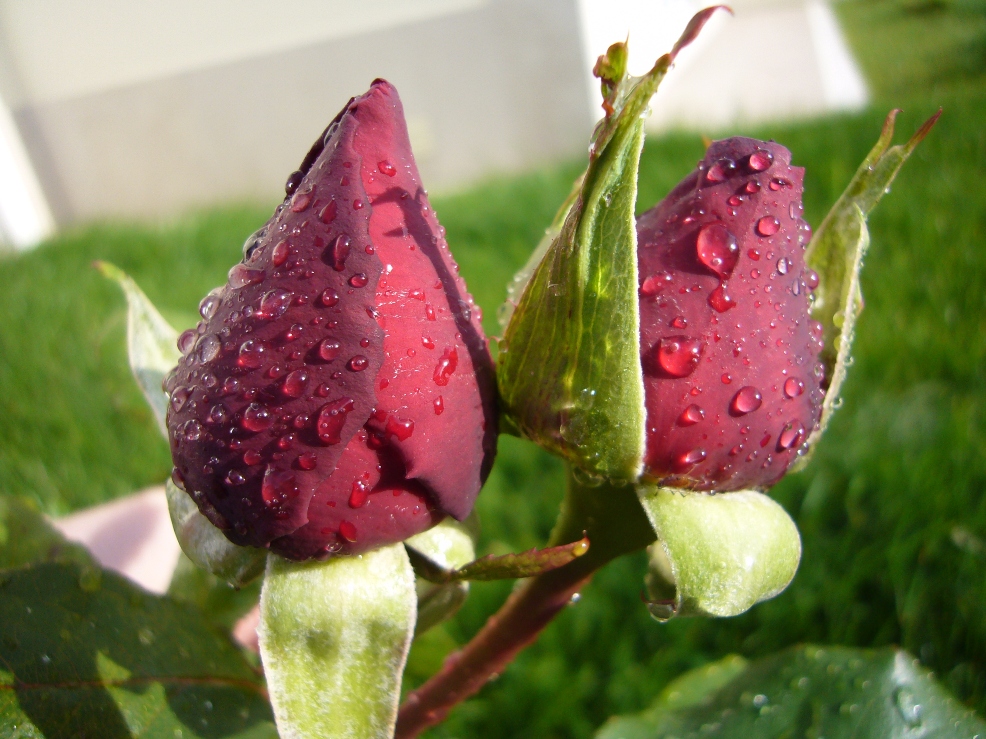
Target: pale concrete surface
131,535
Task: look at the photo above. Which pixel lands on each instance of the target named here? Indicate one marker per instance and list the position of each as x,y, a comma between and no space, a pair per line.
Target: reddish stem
612,519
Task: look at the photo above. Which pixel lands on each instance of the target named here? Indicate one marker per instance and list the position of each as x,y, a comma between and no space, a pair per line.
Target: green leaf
27,538
151,343
569,373
717,554
836,253
108,660
831,692
441,548
207,546
334,637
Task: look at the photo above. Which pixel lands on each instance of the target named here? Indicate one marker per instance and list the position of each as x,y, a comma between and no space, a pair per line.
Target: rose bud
337,394
732,381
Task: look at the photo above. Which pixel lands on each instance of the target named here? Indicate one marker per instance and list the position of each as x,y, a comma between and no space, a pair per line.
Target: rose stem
612,518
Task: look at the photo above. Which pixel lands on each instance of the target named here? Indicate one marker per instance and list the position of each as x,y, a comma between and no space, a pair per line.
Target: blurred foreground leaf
83,657
26,538
831,692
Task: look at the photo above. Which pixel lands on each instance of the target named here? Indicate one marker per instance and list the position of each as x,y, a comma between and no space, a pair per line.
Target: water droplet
717,249
691,415
358,280
209,304
400,427
439,404
331,419
256,418
307,461
329,349
654,284
907,704
187,340
679,355
358,363
429,312
328,213
295,383
790,436
279,255
178,398
753,254
777,183
783,265
427,342
689,459
811,279
768,226
300,200
274,304
192,430
387,168
735,200
347,531
720,171
339,251
251,457
278,486
329,297
446,366
679,322
294,179
726,378
241,276
746,400
251,354
760,160
235,477
793,387
752,186
720,300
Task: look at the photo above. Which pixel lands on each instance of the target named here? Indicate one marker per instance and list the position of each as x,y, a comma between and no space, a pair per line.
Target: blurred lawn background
891,510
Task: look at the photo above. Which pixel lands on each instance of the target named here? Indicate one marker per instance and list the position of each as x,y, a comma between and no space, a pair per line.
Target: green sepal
836,253
508,566
716,554
151,343
570,376
207,546
334,637
441,549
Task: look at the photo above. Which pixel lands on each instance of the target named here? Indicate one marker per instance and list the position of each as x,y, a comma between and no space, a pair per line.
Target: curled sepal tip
151,342
836,253
442,548
716,555
570,376
207,546
334,637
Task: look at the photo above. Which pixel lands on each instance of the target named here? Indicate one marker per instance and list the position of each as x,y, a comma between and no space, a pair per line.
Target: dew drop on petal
768,226
717,249
331,419
679,355
689,459
256,418
691,415
746,400
295,383
720,299
793,387
790,435
446,366
329,297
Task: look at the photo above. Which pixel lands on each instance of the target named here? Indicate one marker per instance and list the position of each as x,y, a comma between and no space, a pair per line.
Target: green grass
892,509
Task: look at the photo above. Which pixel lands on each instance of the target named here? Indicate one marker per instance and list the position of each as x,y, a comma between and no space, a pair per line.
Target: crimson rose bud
338,393
732,381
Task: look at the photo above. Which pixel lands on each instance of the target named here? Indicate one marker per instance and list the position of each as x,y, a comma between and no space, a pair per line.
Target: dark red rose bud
730,355
338,393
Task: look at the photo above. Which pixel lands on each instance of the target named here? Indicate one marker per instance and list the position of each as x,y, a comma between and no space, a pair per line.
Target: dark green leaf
570,375
27,538
831,692
106,660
